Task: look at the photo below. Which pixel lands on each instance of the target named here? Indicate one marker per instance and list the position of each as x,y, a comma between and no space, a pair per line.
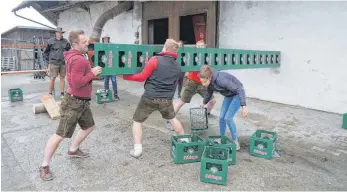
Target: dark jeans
114,83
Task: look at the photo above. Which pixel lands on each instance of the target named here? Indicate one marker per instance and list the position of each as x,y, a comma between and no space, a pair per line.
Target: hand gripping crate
103,96
223,142
198,120
263,144
214,165
186,148
15,95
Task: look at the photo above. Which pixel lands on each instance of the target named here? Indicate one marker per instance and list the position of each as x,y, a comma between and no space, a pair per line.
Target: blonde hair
74,36
171,45
202,42
205,72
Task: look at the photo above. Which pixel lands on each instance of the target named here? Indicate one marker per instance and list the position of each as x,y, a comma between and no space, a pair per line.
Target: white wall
121,28
312,38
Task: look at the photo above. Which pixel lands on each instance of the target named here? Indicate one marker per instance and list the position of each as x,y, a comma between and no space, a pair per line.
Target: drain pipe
15,13
101,21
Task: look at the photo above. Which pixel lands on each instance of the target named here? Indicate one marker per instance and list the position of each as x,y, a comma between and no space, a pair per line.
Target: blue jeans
114,83
229,108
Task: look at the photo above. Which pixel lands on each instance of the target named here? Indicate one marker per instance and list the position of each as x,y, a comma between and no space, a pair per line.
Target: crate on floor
15,94
263,144
198,120
186,148
103,96
344,121
224,142
214,165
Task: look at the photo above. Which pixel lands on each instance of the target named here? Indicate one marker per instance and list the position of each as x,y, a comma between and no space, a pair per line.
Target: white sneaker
237,145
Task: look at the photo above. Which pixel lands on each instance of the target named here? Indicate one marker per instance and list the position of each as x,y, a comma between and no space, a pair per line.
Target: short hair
205,72
171,45
74,35
201,42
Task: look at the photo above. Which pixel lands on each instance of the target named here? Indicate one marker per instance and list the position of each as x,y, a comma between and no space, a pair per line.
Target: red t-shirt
194,76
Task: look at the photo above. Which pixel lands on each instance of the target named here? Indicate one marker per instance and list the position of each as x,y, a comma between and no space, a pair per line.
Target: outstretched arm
145,73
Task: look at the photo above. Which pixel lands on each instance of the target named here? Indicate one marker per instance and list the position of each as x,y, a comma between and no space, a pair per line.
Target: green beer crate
263,144
223,142
103,96
344,121
15,95
186,148
214,165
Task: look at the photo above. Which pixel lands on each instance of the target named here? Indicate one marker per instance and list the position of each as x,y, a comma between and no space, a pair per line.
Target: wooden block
40,108
51,106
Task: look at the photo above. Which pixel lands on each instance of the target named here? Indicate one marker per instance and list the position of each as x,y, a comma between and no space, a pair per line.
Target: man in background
112,77
54,57
180,80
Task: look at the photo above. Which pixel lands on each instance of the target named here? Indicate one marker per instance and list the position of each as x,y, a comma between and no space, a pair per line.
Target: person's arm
145,73
232,86
46,53
78,79
68,46
208,95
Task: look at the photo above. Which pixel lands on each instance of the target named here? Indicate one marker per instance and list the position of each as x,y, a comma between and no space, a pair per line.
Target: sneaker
237,145
136,155
45,173
169,126
116,97
78,153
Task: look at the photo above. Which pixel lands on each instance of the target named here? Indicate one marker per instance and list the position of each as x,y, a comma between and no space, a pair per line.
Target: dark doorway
158,31
188,30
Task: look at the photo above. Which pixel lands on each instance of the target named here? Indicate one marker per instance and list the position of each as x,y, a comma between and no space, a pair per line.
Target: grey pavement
312,147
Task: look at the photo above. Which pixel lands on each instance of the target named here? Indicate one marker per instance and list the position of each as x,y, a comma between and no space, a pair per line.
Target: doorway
193,28
158,31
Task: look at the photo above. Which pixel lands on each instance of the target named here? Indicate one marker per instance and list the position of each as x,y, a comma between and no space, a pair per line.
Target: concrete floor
312,147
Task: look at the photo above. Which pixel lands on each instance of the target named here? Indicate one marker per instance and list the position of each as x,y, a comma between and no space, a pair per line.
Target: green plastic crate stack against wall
15,94
186,152
191,58
223,142
198,120
130,59
103,96
263,144
214,165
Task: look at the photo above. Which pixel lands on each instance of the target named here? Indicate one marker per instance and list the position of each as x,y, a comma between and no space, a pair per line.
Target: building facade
310,36
16,50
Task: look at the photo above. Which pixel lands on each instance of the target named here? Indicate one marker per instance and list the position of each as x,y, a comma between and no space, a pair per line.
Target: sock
62,93
137,149
50,93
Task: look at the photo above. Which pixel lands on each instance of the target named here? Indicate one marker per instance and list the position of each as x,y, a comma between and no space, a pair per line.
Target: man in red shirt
74,107
161,74
191,87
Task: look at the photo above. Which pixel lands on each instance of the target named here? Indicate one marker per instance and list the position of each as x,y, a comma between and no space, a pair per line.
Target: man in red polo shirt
191,87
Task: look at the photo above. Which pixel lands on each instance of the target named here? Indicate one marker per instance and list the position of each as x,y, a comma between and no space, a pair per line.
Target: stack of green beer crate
103,96
15,95
263,144
186,148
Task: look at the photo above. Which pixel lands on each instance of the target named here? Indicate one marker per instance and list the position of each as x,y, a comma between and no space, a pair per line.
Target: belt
79,98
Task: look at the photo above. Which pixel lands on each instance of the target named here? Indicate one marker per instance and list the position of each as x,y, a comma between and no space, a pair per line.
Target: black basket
198,119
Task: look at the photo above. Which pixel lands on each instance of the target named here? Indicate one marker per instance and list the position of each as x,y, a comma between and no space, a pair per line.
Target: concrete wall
121,28
312,39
